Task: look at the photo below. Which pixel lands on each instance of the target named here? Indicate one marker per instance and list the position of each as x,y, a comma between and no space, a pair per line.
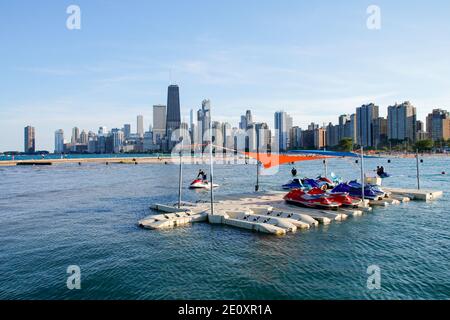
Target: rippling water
53,217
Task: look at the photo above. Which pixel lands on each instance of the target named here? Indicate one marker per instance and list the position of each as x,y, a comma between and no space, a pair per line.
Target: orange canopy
273,160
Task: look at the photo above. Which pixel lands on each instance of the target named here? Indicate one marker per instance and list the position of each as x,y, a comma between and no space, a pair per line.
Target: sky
313,59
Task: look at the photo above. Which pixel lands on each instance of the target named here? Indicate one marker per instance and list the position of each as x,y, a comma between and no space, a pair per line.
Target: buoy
389,161
421,160
79,163
107,163
443,172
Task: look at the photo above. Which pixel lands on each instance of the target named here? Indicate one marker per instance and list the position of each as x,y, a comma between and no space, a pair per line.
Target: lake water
61,215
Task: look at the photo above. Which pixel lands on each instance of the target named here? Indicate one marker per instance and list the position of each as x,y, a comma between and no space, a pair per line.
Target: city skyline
314,61
364,127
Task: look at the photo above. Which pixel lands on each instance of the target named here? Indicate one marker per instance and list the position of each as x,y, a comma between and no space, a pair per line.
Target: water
53,217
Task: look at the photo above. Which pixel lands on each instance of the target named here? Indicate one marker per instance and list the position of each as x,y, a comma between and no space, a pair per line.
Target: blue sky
313,59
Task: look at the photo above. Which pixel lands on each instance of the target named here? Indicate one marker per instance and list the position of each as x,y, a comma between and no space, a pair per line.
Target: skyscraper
29,139
83,137
402,122
364,119
127,130
102,131
173,116
75,135
159,123
118,138
246,120
203,122
380,132
59,141
438,125
283,125
140,126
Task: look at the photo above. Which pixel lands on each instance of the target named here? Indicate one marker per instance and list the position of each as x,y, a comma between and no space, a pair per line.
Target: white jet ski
200,184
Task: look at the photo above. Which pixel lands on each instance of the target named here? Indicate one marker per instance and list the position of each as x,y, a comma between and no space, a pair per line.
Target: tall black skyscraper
29,139
173,117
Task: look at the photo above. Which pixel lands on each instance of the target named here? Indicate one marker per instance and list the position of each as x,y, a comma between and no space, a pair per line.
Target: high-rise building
283,125
140,126
438,125
127,130
102,131
75,136
173,116
296,137
402,122
59,141
364,118
83,137
203,123
246,120
227,137
380,132
117,140
29,139
333,134
313,126
159,123
320,141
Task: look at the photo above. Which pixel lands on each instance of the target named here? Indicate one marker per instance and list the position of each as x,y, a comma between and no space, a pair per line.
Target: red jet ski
311,199
342,197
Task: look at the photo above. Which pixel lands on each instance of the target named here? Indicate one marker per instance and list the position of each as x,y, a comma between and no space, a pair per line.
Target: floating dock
268,212
422,195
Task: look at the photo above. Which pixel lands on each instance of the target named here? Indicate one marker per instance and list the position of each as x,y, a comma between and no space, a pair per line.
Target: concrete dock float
268,212
423,194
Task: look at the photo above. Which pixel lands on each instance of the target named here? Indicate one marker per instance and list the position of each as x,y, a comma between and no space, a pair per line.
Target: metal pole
417,165
325,165
362,174
180,175
257,163
211,167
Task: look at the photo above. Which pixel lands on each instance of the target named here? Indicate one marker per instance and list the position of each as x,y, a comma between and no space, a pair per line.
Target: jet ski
336,180
310,183
293,184
342,197
384,175
325,181
309,199
374,188
354,190
200,184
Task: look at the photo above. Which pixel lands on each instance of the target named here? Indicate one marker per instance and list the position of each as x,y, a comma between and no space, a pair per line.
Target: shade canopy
275,159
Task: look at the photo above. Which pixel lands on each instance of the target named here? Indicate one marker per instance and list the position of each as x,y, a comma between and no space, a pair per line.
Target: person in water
202,175
294,172
380,171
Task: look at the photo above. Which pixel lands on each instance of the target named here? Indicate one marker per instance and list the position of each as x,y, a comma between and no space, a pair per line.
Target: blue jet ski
374,188
293,184
384,175
354,189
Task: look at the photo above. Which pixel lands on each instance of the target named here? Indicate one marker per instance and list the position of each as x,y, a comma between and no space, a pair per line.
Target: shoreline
169,160
119,160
